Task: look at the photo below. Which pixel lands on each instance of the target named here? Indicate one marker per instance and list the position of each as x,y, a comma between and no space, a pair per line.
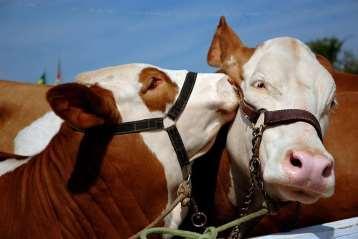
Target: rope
184,193
210,232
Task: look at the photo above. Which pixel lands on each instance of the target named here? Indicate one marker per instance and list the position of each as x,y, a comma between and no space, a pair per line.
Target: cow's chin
290,193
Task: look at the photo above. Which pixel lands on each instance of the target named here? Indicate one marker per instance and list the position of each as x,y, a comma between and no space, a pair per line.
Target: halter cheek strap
155,124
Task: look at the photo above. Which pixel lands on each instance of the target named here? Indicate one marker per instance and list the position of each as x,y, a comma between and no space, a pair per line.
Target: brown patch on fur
295,47
344,81
158,89
228,52
325,63
224,208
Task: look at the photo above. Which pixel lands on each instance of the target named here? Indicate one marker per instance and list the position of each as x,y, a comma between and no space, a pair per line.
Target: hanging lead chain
255,164
256,180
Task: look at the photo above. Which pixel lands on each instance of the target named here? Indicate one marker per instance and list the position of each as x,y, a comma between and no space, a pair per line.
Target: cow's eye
260,84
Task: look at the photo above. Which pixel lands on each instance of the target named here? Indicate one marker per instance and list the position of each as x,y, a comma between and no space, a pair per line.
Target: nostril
295,162
327,171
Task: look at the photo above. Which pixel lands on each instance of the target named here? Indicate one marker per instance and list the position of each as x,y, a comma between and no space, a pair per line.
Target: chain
256,180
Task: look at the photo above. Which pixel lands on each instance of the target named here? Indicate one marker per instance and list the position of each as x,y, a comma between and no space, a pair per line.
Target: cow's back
20,104
345,81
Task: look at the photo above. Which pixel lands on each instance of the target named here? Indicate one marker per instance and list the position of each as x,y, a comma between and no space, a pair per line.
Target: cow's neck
116,206
231,188
233,178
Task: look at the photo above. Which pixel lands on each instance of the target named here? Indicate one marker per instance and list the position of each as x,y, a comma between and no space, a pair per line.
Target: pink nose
310,171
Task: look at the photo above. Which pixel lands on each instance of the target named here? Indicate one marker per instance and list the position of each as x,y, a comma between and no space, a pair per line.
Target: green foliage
330,47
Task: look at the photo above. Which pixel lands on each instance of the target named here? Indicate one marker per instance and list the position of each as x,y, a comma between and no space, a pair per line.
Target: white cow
283,73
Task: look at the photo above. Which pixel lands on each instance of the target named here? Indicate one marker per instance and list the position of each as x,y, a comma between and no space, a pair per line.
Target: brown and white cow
230,43
283,73
139,174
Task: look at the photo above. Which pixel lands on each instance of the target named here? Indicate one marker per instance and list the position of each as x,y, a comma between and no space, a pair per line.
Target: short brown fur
20,105
227,51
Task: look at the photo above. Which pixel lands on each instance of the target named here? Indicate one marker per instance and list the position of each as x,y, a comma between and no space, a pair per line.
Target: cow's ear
158,89
227,51
83,107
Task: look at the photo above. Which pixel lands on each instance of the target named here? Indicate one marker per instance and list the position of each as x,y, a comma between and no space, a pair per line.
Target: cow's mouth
290,193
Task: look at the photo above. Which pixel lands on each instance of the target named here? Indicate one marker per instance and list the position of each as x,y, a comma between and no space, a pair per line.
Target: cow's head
281,73
139,91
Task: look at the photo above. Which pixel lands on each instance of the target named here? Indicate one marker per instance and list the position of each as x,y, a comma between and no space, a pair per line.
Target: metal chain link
256,180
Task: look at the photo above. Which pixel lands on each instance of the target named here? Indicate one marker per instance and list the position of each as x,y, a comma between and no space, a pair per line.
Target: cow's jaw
213,103
294,79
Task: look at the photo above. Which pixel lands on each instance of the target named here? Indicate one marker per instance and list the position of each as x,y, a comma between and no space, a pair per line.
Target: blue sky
173,34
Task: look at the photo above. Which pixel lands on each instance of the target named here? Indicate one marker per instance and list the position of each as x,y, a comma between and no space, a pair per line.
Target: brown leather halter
271,119
280,117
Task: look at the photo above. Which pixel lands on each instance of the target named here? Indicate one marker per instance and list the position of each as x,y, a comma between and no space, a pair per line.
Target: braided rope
210,232
183,197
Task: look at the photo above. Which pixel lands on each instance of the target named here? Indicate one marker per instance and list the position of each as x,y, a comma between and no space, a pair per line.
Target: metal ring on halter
199,219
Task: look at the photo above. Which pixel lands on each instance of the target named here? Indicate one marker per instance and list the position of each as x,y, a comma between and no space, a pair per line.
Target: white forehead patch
284,53
288,64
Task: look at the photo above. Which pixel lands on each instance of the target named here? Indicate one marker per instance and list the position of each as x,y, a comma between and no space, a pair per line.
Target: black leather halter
153,124
157,123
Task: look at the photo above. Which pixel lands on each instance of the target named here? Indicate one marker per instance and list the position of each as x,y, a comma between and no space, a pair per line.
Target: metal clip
258,131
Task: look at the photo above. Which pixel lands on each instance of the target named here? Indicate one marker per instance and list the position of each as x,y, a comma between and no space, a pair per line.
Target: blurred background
43,40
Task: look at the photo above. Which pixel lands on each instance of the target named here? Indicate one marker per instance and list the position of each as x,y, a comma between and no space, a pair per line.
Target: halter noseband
280,117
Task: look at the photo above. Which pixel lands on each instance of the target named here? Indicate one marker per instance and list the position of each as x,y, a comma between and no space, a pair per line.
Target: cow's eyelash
260,84
333,104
